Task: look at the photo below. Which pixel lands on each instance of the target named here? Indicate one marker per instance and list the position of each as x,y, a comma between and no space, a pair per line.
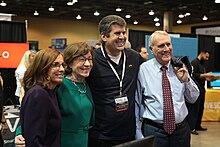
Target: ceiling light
179,21
128,16
3,4
135,22
118,9
78,17
217,1
181,16
205,18
36,13
70,3
51,8
96,13
156,19
187,14
157,24
151,12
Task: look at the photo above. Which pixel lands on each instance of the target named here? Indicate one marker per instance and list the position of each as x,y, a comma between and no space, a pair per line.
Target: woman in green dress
74,96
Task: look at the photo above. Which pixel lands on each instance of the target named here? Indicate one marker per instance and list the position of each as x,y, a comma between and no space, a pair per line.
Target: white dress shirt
149,94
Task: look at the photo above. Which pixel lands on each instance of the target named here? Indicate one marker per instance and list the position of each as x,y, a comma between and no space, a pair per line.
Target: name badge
121,103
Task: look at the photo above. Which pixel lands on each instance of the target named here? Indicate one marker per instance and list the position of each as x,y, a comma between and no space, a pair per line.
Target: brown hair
37,72
105,25
73,51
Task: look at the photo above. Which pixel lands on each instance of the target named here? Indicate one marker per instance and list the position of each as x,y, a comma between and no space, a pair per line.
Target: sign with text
11,54
212,105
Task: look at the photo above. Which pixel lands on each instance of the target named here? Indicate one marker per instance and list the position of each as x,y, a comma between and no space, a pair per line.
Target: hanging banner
11,54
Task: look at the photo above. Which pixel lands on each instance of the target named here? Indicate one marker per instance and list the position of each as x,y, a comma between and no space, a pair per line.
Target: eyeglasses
163,45
57,65
83,59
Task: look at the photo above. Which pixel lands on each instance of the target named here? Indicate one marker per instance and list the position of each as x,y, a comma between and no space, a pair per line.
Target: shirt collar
158,65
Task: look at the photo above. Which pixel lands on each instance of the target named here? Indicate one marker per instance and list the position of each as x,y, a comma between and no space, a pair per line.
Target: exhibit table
212,105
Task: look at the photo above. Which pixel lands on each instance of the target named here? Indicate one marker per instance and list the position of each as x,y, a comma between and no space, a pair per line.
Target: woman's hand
19,141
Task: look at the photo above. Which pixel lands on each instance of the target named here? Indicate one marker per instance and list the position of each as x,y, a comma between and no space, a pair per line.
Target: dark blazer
40,118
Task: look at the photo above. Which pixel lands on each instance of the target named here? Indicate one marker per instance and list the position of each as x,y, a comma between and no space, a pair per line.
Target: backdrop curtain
11,32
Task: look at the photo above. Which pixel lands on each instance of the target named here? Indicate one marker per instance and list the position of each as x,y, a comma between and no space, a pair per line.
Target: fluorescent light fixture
205,18
151,12
78,17
179,21
36,13
51,8
181,16
135,22
3,4
127,16
96,13
156,19
118,9
157,24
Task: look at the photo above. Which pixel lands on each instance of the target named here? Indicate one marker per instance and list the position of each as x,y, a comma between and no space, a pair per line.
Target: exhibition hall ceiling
192,10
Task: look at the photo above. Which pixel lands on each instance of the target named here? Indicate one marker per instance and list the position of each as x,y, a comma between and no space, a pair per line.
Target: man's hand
182,73
19,141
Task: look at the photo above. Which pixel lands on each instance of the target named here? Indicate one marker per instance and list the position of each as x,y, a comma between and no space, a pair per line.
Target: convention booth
212,105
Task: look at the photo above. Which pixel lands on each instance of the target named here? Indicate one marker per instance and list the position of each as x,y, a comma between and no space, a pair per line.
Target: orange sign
11,54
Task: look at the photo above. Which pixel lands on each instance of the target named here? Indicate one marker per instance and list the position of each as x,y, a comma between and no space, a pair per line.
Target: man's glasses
83,59
57,65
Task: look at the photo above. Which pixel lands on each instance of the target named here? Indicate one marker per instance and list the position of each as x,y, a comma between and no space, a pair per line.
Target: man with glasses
160,97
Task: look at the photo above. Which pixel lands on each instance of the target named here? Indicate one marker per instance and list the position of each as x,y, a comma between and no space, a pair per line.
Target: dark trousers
17,100
193,112
201,108
94,142
1,141
179,138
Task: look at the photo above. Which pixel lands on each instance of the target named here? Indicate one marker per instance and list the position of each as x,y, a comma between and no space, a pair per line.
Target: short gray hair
151,39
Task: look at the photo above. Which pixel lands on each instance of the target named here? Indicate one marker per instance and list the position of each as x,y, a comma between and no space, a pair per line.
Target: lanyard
113,69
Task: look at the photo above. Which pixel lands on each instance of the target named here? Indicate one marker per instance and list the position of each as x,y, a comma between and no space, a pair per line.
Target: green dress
77,110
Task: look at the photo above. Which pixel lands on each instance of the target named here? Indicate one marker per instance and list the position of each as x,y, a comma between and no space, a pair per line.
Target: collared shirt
149,94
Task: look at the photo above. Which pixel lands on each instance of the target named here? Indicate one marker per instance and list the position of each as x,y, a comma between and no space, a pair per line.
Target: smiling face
115,42
56,72
162,48
81,67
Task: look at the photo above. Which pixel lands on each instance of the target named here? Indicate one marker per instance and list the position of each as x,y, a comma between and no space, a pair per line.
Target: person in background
160,97
98,45
201,75
74,96
143,52
19,74
40,115
127,44
113,83
3,124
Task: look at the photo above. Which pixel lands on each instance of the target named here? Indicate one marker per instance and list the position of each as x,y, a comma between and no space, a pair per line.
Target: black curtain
11,32
137,38
208,43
